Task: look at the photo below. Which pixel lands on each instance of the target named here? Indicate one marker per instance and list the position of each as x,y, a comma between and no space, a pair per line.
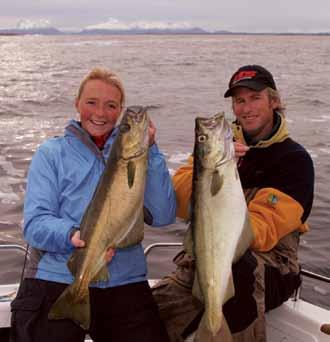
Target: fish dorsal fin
196,289
216,182
130,173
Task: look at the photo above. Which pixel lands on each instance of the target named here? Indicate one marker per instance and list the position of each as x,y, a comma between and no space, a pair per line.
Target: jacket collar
278,136
74,130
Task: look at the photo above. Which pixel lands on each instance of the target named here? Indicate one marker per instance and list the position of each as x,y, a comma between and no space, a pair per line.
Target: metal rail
14,246
149,248
312,275
304,272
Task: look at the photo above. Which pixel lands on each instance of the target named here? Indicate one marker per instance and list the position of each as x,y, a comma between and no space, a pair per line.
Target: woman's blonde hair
106,76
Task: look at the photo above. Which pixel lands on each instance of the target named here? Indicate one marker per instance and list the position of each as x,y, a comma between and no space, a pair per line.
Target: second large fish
220,227
114,218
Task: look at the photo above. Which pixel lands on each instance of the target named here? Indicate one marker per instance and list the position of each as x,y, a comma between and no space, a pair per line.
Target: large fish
114,217
220,229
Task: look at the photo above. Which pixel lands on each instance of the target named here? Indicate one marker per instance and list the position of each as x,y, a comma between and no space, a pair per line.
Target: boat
296,320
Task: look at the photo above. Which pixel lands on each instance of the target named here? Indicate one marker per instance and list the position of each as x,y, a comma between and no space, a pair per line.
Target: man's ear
274,102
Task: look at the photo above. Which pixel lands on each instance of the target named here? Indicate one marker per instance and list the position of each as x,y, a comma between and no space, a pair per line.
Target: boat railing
149,248
15,247
304,272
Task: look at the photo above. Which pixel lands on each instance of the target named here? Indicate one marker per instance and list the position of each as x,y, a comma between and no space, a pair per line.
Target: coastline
139,32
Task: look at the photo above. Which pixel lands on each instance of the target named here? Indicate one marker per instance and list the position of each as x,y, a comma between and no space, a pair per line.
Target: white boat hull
297,321
293,321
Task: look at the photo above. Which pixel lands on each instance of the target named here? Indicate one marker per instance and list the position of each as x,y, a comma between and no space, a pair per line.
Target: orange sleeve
182,181
273,214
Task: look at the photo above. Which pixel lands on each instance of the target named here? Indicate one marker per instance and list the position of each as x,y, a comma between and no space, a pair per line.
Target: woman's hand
78,243
75,239
109,254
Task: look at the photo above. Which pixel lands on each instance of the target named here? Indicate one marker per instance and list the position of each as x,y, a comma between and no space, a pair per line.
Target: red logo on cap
243,75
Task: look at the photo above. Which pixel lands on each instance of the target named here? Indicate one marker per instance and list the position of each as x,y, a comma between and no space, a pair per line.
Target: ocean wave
92,42
179,158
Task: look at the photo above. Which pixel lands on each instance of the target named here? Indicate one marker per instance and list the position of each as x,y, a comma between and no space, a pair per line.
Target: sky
232,15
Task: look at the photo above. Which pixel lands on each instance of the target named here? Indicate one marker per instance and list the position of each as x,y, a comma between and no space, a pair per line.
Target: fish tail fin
72,304
203,334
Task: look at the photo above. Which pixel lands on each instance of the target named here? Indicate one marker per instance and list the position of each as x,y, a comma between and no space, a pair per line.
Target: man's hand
77,242
240,149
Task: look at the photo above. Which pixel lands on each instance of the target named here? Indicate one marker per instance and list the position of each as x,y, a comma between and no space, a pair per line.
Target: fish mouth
136,113
137,116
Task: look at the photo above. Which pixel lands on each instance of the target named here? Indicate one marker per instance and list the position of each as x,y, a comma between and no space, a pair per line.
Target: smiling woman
62,180
99,107
99,102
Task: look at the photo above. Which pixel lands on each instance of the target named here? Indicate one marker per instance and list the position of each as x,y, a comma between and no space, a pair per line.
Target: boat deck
294,321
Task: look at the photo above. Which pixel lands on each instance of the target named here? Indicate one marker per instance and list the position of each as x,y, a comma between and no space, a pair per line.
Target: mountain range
137,30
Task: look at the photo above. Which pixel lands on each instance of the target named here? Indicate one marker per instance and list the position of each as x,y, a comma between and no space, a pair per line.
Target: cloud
27,24
115,24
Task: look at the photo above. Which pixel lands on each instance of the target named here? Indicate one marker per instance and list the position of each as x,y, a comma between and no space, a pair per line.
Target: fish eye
202,138
124,128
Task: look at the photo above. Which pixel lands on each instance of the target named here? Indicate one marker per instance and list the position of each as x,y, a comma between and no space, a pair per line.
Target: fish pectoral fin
130,173
216,182
188,242
196,289
102,274
230,291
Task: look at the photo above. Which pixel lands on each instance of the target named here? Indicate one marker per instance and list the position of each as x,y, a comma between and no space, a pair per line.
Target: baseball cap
254,77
